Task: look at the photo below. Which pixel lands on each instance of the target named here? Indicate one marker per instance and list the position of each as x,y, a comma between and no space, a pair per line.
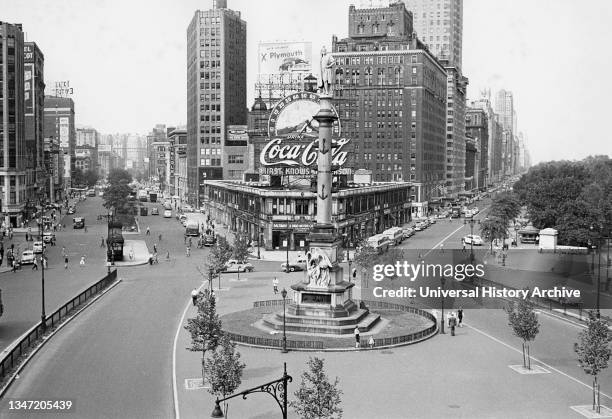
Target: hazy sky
126,59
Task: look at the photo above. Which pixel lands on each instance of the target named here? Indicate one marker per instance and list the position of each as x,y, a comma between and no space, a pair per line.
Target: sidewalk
141,253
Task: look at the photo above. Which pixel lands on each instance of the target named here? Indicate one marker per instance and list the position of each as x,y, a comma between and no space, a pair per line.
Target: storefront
281,218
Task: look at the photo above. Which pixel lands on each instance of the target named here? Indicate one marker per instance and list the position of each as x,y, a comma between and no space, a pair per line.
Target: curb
47,338
397,345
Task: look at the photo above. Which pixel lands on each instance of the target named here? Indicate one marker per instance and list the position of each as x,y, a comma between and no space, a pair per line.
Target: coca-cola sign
293,134
276,152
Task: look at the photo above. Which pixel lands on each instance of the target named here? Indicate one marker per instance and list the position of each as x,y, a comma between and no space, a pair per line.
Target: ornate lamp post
277,389
284,295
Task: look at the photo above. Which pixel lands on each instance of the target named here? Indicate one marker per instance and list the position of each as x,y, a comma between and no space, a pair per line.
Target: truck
152,197
142,196
192,228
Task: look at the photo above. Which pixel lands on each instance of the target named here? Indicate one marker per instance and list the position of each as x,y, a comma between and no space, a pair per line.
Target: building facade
281,219
59,123
34,102
12,123
216,93
390,93
477,127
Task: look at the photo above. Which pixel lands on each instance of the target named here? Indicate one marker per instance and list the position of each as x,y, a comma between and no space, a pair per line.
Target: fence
11,360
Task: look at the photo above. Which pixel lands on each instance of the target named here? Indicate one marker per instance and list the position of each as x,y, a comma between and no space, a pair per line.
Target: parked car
27,257
473,239
420,226
167,213
432,220
187,208
293,267
48,236
38,247
154,211
234,266
408,232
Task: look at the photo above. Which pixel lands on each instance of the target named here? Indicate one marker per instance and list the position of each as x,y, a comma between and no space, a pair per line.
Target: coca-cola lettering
277,153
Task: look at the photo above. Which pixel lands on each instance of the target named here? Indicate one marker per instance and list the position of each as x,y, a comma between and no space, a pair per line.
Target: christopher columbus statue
327,75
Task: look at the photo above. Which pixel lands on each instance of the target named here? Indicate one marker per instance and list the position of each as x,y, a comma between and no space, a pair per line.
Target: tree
224,370
365,258
116,196
594,352
493,228
506,207
205,328
524,322
317,397
241,249
119,176
219,255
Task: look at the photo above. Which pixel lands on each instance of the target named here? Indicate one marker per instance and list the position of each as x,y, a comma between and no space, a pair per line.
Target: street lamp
277,389
598,262
442,281
43,316
284,295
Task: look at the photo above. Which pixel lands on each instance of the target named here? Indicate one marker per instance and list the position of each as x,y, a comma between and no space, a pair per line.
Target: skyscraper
216,95
504,107
59,123
34,100
12,132
391,98
439,24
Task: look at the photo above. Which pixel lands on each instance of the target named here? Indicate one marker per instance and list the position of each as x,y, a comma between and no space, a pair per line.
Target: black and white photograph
394,209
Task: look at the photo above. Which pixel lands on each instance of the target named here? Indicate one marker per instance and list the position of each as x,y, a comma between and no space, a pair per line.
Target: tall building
455,131
12,131
87,137
439,24
390,95
34,102
504,107
216,94
59,123
477,127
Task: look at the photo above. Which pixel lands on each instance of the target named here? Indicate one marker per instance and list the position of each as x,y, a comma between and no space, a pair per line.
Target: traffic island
397,325
138,251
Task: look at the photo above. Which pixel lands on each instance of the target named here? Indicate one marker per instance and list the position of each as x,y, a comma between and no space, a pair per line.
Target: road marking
561,319
536,359
177,414
443,240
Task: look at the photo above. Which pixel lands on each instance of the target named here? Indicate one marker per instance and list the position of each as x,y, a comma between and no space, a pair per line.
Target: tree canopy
317,397
85,178
569,197
119,176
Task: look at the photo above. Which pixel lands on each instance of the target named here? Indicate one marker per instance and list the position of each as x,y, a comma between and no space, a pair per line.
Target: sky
126,59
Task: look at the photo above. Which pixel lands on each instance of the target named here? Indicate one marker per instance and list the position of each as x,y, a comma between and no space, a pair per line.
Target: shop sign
279,225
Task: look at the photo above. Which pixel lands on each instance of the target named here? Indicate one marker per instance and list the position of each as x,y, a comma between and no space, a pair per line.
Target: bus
394,234
379,242
192,228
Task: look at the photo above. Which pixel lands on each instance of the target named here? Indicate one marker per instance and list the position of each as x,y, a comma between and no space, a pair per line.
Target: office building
34,102
216,94
390,93
477,127
12,120
59,123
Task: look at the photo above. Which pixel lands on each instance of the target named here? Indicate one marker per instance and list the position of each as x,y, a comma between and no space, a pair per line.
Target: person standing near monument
275,285
356,332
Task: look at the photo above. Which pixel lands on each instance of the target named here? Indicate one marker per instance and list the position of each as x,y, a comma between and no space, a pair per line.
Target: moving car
48,236
78,222
187,208
167,213
154,211
27,257
234,266
473,239
293,267
38,247
91,192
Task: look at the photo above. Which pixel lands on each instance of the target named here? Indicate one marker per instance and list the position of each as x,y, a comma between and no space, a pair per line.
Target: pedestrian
168,255
102,241
189,241
131,254
188,251
154,248
35,265
148,231
82,262
14,265
185,239
26,237
452,323
65,261
275,285
44,262
63,251
460,316
463,244
356,332
194,296
160,237
371,342
150,259
155,260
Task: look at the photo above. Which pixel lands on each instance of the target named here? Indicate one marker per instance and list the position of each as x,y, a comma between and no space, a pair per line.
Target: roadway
115,359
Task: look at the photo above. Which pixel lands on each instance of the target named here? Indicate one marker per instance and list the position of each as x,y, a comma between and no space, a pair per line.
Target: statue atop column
327,72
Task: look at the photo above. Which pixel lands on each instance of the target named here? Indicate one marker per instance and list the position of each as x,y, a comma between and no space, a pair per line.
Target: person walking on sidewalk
275,285
194,296
452,323
460,316
35,264
148,233
65,261
356,333
102,241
